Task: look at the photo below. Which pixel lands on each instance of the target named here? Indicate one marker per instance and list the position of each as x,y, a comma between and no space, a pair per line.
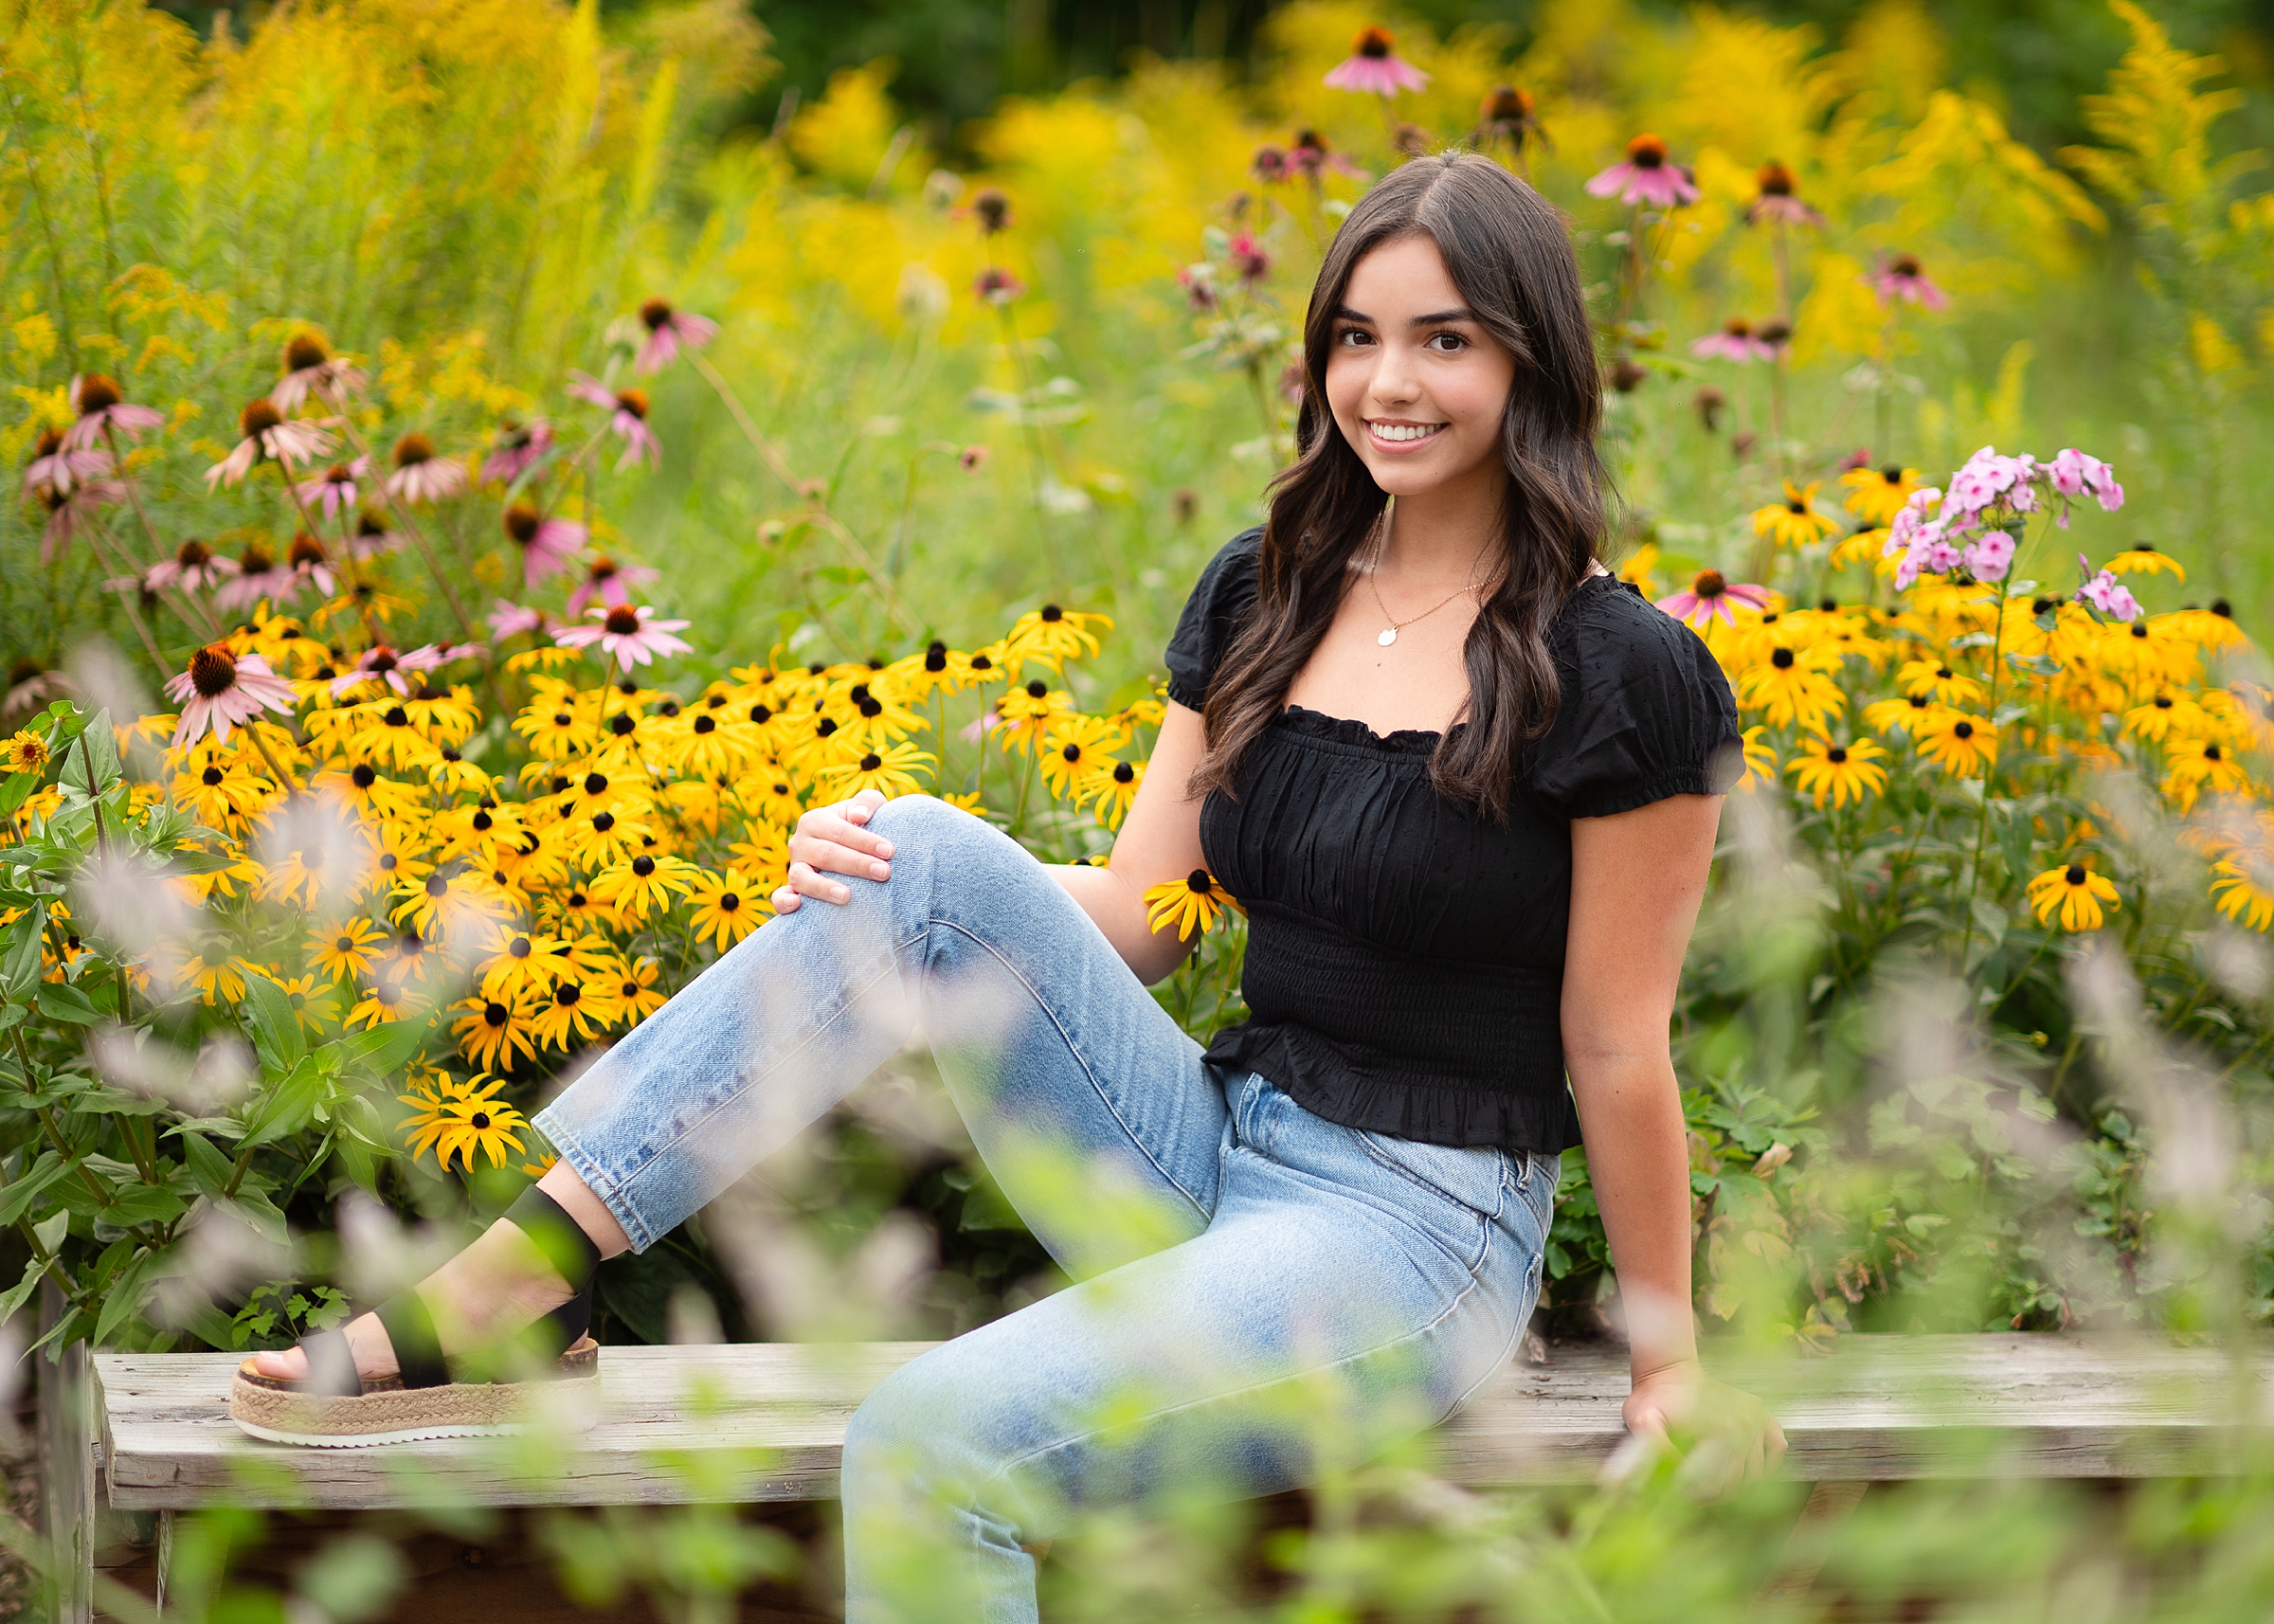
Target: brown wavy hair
1509,253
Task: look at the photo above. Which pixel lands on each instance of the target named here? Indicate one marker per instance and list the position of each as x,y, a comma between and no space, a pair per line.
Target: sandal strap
331,1369
418,1350
560,1238
569,1321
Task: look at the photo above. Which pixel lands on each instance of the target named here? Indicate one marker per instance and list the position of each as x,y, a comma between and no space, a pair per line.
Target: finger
834,826
786,900
807,883
826,856
1776,1443
862,805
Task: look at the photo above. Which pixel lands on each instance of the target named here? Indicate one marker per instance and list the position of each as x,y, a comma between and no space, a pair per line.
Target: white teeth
1403,432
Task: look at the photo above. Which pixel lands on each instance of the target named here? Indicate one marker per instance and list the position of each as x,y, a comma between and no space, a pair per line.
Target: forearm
1639,1164
1117,906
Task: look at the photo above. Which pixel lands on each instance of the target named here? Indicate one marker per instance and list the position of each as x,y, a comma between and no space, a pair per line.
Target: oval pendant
1388,637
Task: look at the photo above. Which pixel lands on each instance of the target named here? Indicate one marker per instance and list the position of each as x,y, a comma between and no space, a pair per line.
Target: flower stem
1981,834
401,509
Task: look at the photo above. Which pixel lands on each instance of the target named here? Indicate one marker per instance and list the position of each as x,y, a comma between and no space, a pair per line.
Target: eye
1447,343
1350,337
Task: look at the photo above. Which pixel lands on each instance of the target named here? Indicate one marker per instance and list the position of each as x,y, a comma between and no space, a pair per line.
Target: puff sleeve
1213,616
1645,713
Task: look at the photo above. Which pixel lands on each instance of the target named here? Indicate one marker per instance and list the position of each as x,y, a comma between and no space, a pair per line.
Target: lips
1397,438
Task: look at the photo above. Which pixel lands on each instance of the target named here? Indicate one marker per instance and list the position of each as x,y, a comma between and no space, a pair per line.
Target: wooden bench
764,1422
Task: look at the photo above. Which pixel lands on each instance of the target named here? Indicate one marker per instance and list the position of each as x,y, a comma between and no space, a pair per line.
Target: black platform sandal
336,1408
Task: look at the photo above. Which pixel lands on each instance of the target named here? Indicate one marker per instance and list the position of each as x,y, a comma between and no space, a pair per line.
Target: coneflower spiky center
521,521
1645,152
1374,42
306,550
1775,181
259,417
191,553
632,401
622,621
212,671
993,208
1904,265
1709,583
50,442
413,449
654,314
604,570
96,393
255,559
1507,105
303,351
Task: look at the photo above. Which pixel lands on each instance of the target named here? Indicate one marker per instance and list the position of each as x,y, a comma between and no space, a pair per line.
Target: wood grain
764,1422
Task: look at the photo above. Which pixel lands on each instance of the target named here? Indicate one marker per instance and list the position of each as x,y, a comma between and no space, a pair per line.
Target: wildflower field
466,514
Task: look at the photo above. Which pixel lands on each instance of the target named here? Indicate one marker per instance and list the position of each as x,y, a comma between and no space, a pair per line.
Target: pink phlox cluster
2076,473
2107,594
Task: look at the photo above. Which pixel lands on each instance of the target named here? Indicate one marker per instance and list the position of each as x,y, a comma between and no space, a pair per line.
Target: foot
484,1294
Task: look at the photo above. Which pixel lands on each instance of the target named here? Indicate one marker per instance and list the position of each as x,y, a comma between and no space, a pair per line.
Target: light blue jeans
1263,1295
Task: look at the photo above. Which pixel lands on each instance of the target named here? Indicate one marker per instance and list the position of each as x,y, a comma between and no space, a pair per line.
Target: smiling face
1416,383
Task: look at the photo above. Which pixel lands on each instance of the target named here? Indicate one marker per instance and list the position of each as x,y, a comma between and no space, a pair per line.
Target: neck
1441,533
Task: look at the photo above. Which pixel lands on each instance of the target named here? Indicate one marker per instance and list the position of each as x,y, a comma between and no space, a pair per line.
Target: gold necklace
1389,633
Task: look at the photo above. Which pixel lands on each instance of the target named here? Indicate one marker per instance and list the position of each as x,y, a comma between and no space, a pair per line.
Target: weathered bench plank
766,1421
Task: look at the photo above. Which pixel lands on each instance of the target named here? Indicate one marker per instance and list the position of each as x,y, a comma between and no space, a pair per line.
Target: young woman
1466,784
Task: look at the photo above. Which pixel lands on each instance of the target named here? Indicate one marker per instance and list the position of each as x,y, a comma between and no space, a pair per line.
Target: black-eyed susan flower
727,908
221,791
637,886
1875,496
1193,903
1958,744
1027,711
1792,522
1073,750
2141,559
1843,772
636,996
894,771
566,1013
2242,885
382,1001
1790,686
25,751
495,1033
2164,714
1112,787
455,1122
349,950
1906,715
2193,766
1937,680
523,963
1051,636
2076,893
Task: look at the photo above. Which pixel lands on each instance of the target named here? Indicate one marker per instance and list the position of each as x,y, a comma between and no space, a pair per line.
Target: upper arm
1160,837
1636,881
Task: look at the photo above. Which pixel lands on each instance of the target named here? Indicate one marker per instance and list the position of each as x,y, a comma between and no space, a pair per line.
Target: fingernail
879,871
884,848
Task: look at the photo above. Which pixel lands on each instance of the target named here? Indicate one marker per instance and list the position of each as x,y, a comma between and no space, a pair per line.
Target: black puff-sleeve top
1404,969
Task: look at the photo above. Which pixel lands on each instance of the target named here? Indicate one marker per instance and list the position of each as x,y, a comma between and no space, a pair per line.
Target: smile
1404,436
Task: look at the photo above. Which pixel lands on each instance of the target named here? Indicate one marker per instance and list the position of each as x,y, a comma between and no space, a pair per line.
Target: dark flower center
2074,874
1963,730
1904,265
1071,752
1837,755
481,1120
632,401
306,550
396,718
1508,105
1052,612
603,822
596,784
211,776
363,777
728,902
761,714
622,621
1709,583
705,725
387,994
935,657
212,671
654,314
521,521
1776,180
1647,152
520,948
1782,659
1124,773
2211,753
643,866
1374,42
259,417
871,762
51,442
96,393
380,659
303,351
1037,689
1198,881
191,553
255,560
823,727
566,994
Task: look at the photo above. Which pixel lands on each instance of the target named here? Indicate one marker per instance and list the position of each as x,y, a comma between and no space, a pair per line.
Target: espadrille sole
286,1413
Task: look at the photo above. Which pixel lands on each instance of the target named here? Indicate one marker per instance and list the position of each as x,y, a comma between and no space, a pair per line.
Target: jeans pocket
1473,1177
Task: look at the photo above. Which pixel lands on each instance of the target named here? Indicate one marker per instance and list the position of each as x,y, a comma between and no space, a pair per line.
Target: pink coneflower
420,475
72,511
222,689
258,575
1312,155
626,634
311,563
332,492
991,207
1780,199
193,566
55,468
627,417
996,286
380,663
1900,276
1510,114
607,582
670,331
508,619
547,544
1734,342
1249,259
1374,67
100,407
516,449
1270,166
267,434
311,367
1709,596
1647,176
373,535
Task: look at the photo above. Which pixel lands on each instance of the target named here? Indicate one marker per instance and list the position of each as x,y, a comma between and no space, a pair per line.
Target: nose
1395,384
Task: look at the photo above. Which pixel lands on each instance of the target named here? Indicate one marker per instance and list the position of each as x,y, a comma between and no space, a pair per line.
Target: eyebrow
1434,318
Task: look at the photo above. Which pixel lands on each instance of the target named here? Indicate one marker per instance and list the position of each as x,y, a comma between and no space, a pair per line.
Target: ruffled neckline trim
1347,730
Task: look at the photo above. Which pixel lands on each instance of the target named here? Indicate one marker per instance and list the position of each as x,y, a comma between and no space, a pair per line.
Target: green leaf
15,790
51,1230
144,1203
382,1050
58,1001
19,1195
21,1292
99,742
274,1028
287,1106
125,1294
209,1168
20,955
